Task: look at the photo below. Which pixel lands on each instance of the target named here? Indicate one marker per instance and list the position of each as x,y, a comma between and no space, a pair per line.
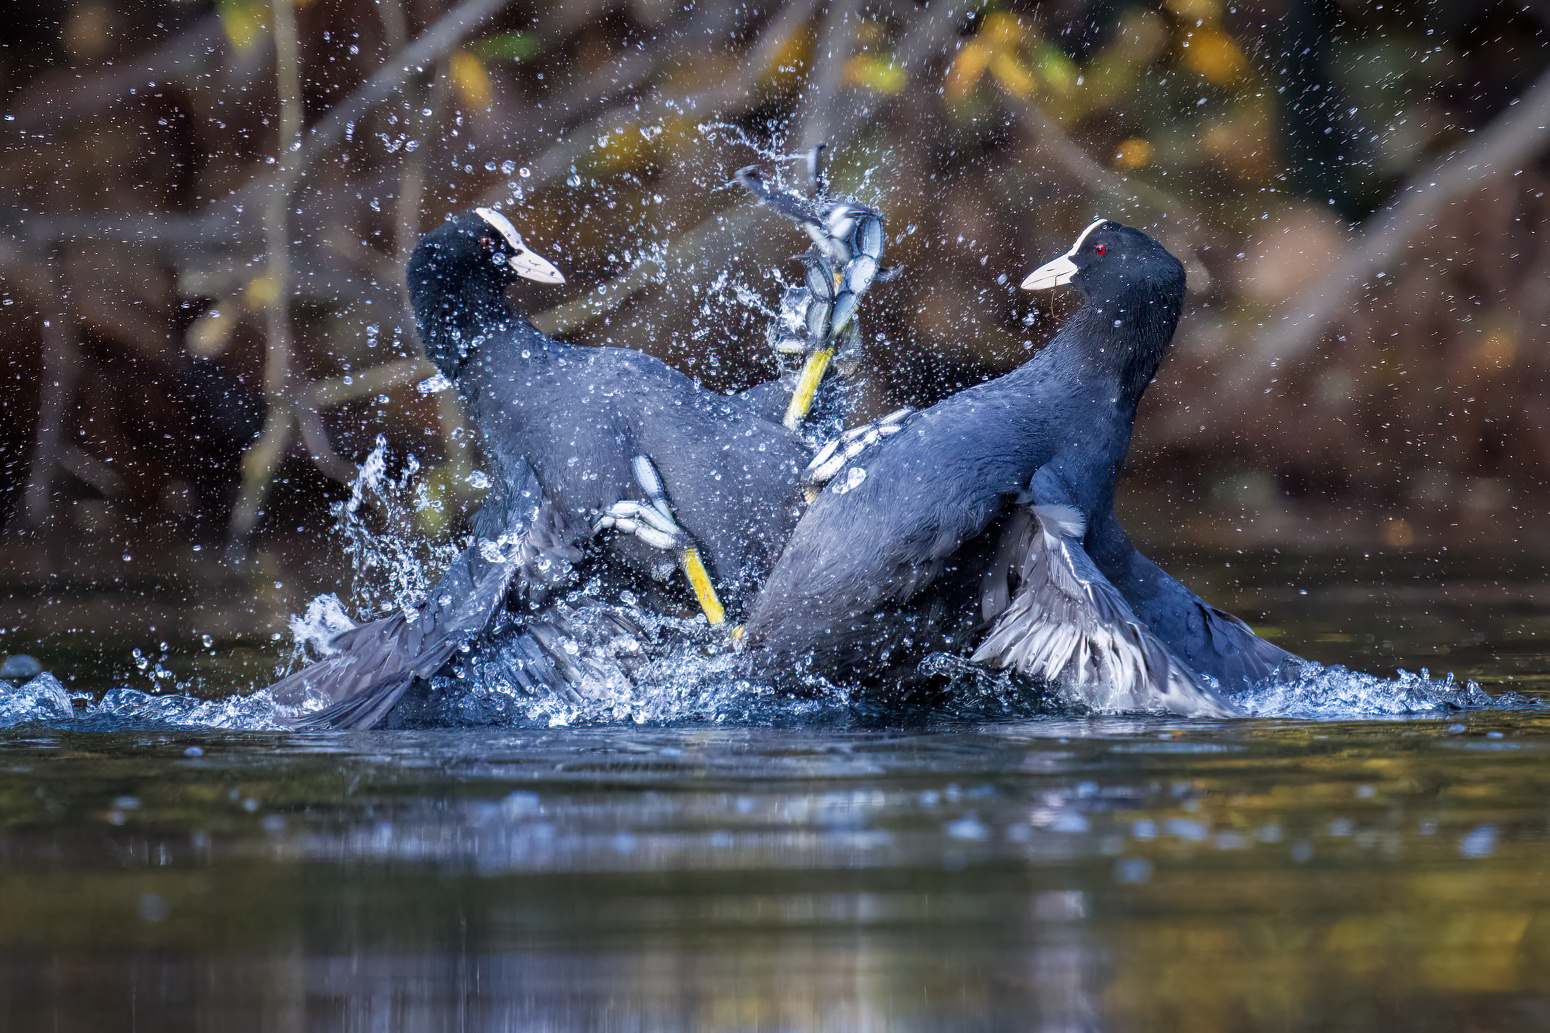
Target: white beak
1050,274
529,263
1059,271
525,262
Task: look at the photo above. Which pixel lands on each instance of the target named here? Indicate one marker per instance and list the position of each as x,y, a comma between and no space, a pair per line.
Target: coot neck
1119,341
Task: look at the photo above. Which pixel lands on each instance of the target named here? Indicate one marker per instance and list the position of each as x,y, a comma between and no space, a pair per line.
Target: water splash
1314,691
391,565
126,707
588,662
769,152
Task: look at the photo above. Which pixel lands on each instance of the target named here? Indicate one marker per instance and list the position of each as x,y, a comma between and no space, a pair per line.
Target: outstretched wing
371,666
1210,640
1069,627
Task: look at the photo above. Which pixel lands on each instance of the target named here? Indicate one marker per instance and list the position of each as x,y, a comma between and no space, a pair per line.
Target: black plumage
579,416
564,429
972,523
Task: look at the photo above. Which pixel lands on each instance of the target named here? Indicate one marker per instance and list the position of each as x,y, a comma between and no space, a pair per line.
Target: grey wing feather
586,651
374,664
1210,640
1071,628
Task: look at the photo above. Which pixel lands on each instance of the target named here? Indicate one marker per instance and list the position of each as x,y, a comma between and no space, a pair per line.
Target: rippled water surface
1048,873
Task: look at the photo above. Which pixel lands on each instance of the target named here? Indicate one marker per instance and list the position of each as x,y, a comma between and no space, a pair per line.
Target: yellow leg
704,591
807,386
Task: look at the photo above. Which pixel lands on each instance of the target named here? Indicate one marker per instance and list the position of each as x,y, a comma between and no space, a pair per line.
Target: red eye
1100,249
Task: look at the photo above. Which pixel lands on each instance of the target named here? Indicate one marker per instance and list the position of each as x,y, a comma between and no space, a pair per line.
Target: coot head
1110,262
457,278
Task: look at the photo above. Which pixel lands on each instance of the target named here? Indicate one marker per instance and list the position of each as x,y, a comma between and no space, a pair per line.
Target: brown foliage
141,150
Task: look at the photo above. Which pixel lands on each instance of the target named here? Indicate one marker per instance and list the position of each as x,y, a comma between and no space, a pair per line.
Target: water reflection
1053,874
1058,874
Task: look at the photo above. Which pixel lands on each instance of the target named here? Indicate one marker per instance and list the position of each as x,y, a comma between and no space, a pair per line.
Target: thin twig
1515,136
297,153
57,389
713,238
59,97
395,23
261,458
1081,166
427,48
225,220
619,82
327,392
830,56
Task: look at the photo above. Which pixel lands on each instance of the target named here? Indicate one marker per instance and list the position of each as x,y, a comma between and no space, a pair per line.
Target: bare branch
833,51
327,392
261,458
225,219
1081,166
57,390
48,102
426,49
1516,135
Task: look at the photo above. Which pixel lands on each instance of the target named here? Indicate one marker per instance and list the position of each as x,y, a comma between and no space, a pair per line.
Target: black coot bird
578,440
979,513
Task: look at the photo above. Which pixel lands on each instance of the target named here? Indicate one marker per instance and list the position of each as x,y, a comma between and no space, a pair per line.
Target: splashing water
770,152
1333,693
392,567
592,659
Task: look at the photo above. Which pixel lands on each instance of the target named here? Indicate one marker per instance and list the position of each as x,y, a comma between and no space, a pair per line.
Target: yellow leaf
472,80
967,68
791,61
1496,349
1001,30
1056,68
1134,153
211,332
261,291
1215,55
440,496
243,21
1196,10
878,74
1019,81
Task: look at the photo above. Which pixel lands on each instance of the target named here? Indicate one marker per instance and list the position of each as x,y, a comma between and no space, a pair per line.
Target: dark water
1052,874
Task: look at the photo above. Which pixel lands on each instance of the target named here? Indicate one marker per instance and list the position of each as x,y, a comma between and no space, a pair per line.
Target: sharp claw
834,456
789,204
840,220
826,248
649,478
817,170
749,179
642,529
817,471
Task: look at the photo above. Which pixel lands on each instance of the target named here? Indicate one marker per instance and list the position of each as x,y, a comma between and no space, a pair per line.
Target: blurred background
205,207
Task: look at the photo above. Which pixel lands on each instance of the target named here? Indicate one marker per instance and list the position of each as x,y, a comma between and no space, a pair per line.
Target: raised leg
653,522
